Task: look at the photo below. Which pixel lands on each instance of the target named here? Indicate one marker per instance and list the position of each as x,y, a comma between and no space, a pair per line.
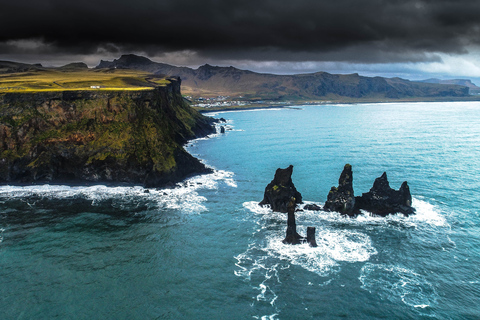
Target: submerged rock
383,200
312,207
341,199
280,190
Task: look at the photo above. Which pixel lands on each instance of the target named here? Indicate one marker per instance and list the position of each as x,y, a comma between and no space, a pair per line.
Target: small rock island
381,200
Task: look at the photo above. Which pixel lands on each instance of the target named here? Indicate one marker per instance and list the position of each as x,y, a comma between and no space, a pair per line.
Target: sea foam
398,284
184,196
426,215
333,245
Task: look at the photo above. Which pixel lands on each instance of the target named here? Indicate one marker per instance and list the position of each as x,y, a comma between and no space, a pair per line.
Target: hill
461,82
14,67
209,81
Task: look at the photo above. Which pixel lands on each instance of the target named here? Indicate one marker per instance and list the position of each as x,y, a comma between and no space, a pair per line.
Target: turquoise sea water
206,250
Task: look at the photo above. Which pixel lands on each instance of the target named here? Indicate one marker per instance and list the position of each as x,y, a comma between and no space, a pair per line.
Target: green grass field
84,79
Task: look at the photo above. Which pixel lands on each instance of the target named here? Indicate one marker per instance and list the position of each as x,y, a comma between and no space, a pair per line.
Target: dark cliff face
134,137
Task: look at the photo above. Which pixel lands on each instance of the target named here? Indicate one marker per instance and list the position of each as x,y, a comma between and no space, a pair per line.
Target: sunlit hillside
62,79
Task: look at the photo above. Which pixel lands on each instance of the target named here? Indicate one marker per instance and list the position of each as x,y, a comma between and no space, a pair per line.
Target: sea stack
281,190
382,200
311,237
292,237
341,199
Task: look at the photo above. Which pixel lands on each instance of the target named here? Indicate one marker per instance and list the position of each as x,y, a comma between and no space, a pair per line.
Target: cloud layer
367,31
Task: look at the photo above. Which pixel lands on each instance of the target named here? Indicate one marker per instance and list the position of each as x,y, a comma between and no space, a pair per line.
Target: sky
412,39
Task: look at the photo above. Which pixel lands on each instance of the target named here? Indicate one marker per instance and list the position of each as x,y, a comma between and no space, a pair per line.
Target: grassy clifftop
133,136
72,77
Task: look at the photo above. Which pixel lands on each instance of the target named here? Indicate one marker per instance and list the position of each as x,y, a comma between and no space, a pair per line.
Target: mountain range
210,81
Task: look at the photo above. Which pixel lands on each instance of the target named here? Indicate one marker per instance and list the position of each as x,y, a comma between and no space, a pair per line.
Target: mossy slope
99,136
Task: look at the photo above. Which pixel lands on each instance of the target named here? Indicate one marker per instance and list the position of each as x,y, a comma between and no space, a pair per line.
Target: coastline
122,184
297,104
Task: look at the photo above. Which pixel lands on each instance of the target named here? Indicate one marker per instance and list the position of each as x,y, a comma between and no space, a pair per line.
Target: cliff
133,137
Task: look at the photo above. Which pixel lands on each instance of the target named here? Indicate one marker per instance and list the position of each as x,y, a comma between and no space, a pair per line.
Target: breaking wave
184,196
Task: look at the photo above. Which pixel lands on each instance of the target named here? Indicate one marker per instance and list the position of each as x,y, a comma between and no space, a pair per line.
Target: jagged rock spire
341,198
383,200
380,200
292,237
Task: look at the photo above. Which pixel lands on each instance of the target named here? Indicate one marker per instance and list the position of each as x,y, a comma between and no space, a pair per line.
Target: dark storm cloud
342,30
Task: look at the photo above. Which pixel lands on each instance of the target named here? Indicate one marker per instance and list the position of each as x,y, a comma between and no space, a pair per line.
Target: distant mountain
209,80
13,67
461,82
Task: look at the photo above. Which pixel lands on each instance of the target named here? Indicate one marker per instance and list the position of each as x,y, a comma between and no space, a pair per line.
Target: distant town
219,102
225,101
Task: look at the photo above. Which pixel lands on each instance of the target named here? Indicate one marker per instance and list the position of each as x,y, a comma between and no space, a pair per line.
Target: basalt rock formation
312,207
292,237
382,200
133,137
280,190
341,199
311,237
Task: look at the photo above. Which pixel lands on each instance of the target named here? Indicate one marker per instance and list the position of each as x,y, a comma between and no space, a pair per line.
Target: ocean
206,250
